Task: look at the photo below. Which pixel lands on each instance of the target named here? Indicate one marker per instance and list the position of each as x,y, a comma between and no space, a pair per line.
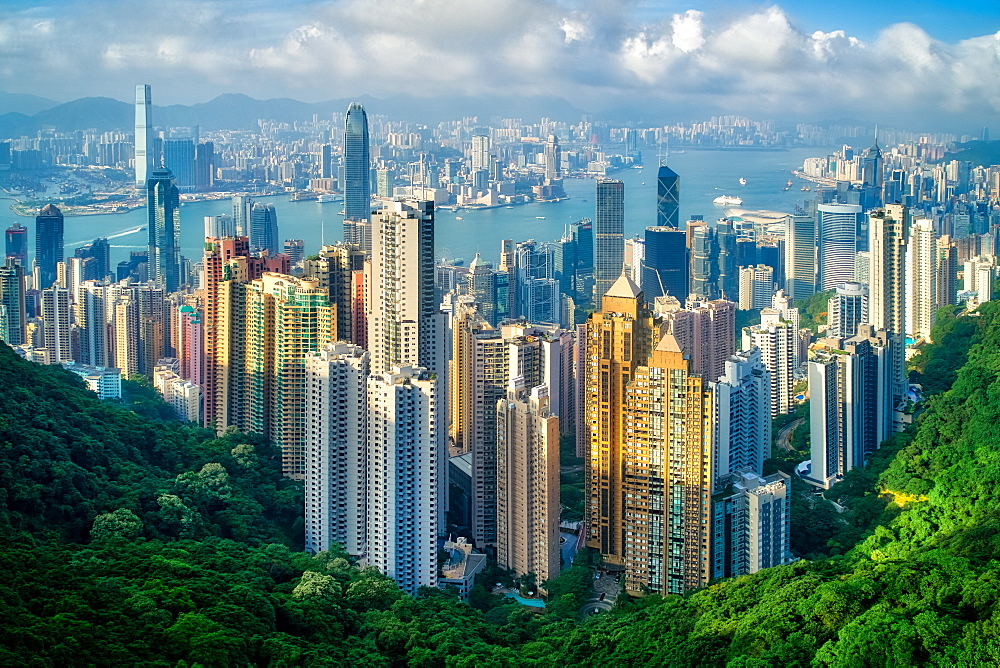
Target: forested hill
132,540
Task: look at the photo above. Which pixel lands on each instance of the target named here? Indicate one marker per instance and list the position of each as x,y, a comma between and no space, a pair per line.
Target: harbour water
704,175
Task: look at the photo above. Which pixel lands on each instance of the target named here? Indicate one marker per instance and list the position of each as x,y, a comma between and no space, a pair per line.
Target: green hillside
137,541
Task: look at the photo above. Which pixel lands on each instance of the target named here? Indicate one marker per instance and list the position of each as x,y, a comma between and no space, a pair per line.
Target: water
704,175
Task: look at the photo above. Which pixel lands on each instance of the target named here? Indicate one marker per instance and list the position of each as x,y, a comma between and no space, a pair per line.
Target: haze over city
791,60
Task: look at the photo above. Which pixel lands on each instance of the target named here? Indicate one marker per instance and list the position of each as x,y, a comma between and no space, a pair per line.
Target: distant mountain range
236,111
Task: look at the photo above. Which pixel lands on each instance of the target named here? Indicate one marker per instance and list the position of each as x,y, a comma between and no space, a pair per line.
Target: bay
704,175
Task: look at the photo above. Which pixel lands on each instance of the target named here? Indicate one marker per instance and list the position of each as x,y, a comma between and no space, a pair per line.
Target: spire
624,287
668,344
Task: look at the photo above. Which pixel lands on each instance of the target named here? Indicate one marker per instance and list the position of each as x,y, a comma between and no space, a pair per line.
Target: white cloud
595,53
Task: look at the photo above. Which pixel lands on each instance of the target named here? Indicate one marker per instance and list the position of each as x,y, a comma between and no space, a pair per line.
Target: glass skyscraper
49,250
263,228
609,235
163,205
357,184
665,267
667,197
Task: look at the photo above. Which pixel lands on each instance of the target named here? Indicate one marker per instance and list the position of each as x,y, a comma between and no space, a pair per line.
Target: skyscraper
667,198
336,267
838,228
12,296
609,234
144,162
729,277
665,265
179,157
750,524
241,215
800,256
756,287
163,206
56,321
16,243
742,415
357,164
921,279
847,308
49,249
888,230
777,341
263,229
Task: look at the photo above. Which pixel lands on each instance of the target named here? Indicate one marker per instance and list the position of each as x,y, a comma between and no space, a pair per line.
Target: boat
323,199
539,217
743,181
789,184
458,218
727,200
805,188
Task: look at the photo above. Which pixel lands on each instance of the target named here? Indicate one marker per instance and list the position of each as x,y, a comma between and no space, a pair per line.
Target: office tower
667,199
527,482
800,256
204,165
619,339
746,251
756,287
12,298
163,204
56,319
665,265
888,229
667,467
404,471
326,162
609,234
336,448
751,524
553,159
537,290
178,157
144,154
100,251
839,226
847,308
979,274
705,331
405,327
704,261
777,341
850,402
480,283
385,182
16,243
217,227
241,215
947,272
263,229
872,175
729,278
574,261
336,267
295,250
742,418
49,250
357,184
921,272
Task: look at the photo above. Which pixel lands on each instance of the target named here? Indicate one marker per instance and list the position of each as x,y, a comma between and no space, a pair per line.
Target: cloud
595,53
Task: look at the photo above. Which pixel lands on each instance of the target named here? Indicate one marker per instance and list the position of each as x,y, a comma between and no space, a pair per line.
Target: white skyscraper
742,424
921,279
838,226
750,524
403,469
888,230
756,287
336,448
847,308
143,135
777,341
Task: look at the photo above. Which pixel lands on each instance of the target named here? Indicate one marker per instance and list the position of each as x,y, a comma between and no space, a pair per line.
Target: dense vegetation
131,540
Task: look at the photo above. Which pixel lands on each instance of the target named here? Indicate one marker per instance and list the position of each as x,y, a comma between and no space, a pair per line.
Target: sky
803,59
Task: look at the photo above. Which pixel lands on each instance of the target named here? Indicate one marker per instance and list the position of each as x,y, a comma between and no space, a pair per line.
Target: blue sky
793,59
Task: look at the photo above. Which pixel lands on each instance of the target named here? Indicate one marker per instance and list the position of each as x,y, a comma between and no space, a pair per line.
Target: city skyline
777,60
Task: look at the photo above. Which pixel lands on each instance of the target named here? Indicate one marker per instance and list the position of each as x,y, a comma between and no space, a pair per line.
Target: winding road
785,434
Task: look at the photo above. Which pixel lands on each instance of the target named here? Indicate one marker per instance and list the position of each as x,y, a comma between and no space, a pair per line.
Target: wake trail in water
123,233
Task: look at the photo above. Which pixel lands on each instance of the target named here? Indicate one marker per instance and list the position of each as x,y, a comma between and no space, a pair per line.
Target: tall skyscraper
848,308
921,291
56,320
777,341
264,229
336,448
144,155
729,277
704,282
527,482
665,265
742,404
667,199
888,233
838,228
16,243
750,524
49,249
179,158
553,159
609,234
357,165
756,287
800,256
336,267
12,298
163,206
241,215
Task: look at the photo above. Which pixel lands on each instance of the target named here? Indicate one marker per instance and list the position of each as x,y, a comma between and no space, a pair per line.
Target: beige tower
888,230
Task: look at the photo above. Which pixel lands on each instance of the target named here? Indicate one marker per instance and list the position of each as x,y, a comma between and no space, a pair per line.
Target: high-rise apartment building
49,248
847,309
163,205
705,331
527,480
742,405
144,154
57,321
921,291
750,524
888,235
217,227
336,268
609,234
357,178
979,274
12,298
336,495
777,341
756,287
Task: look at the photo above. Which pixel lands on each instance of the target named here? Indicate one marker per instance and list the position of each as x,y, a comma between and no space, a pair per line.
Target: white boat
458,218
743,181
728,200
539,217
323,199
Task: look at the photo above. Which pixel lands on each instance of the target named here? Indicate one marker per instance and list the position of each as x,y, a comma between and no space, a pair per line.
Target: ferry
323,199
743,181
728,200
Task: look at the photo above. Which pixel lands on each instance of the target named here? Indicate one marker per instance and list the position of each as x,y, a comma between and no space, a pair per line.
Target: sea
459,235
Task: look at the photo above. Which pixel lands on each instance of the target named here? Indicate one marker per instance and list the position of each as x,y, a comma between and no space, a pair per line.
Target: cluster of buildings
423,404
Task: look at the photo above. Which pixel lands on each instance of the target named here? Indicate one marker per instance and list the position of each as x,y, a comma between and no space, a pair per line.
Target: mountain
22,103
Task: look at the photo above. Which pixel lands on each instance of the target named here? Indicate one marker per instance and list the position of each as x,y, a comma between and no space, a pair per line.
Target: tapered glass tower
163,205
357,186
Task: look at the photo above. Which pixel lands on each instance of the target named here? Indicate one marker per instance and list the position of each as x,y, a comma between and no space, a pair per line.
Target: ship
323,199
728,200
743,181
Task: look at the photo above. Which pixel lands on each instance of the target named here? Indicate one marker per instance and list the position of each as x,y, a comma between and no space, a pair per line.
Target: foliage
813,310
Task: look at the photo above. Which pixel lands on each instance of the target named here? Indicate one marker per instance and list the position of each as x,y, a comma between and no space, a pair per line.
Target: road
785,434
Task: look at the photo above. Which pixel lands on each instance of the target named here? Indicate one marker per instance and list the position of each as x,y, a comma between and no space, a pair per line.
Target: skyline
783,60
